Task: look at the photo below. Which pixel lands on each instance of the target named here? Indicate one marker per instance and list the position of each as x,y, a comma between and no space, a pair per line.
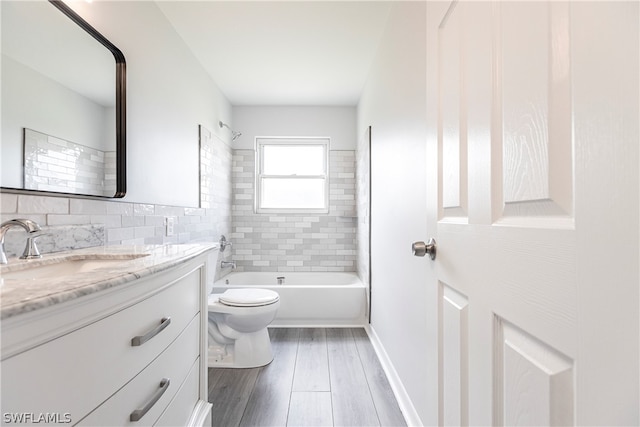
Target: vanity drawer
86,366
174,365
180,409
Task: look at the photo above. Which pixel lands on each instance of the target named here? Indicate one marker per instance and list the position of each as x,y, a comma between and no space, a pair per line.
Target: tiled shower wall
363,199
72,223
301,242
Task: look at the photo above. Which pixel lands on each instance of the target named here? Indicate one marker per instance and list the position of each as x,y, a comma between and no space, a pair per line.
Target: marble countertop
19,295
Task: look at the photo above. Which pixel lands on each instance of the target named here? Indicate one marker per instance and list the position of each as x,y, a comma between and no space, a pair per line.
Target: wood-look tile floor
318,377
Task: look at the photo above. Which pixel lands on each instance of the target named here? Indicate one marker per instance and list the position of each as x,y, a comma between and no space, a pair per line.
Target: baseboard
406,406
276,324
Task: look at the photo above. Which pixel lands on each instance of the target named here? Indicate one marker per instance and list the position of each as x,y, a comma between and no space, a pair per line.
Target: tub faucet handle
224,243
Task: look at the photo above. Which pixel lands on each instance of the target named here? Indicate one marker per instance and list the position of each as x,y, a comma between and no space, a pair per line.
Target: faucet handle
31,250
224,243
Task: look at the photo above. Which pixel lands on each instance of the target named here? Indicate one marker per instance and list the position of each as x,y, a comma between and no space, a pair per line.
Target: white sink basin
65,266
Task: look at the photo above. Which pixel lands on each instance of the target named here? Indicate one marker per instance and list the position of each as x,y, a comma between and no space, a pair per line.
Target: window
292,175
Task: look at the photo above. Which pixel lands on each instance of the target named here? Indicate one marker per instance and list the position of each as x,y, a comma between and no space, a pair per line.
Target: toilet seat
253,297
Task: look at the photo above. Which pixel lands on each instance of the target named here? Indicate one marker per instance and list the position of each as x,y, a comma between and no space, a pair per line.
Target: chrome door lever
422,248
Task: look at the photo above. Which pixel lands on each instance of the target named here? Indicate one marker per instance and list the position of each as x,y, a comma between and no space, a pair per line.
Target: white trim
350,324
201,415
285,139
406,406
260,142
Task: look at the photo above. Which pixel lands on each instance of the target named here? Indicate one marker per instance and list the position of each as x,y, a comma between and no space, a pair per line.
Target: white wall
339,123
32,100
168,95
394,104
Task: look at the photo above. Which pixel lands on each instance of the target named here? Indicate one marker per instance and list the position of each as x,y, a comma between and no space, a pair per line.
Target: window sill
269,211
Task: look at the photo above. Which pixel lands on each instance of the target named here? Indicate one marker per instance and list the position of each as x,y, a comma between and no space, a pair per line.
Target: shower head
234,135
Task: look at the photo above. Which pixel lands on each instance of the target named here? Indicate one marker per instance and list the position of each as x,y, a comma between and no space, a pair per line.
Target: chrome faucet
31,251
225,264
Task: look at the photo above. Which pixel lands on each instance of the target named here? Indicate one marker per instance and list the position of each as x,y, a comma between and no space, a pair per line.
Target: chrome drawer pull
141,339
139,413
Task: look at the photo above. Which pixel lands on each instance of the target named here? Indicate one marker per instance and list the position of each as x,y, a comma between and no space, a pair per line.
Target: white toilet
238,320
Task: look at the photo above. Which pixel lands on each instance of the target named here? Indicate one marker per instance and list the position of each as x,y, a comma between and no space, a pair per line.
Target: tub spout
225,264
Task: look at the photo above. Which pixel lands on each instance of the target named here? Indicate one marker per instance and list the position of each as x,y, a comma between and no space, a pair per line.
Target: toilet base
251,350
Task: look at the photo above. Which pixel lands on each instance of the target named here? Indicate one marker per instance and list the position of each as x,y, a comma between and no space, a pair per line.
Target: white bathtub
308,299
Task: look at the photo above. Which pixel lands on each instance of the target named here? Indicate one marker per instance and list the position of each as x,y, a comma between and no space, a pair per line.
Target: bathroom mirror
63,103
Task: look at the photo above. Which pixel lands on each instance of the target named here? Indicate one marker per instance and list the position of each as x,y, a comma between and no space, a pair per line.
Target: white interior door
534,207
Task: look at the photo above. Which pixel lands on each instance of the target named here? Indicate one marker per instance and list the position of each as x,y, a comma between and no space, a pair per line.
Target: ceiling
283,52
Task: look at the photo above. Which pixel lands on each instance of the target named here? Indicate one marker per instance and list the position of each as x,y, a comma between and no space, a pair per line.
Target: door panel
451,124
534,383
455,355
525,100
521,122
533,97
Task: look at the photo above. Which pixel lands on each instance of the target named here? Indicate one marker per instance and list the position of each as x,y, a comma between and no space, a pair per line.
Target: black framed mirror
63,104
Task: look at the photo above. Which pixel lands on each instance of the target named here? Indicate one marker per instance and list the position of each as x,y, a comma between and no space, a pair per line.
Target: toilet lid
248,297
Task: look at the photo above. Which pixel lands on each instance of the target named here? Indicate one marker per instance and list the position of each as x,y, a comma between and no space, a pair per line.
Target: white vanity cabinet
133,354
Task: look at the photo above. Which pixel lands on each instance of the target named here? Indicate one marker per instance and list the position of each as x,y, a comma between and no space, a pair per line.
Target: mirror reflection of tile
53,164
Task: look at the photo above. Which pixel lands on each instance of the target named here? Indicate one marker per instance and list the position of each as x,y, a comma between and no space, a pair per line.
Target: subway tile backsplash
70,223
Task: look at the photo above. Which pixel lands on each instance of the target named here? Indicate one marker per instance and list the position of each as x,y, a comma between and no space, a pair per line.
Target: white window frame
261,142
